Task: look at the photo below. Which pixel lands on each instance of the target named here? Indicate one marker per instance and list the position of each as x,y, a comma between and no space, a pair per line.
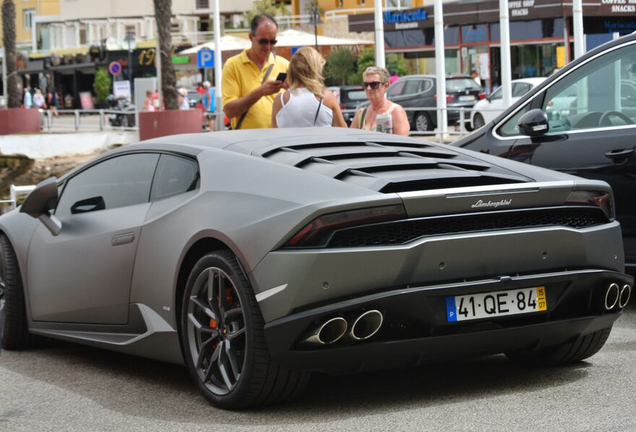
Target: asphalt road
68,387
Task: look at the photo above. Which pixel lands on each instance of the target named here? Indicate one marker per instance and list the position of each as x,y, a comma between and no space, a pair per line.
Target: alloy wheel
422,122
216,331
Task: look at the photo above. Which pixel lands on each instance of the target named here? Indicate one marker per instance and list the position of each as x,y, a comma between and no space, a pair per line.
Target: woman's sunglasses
373,84
268,41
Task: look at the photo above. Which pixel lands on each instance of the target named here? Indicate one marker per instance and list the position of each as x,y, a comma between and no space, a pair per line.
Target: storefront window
536,29
475,33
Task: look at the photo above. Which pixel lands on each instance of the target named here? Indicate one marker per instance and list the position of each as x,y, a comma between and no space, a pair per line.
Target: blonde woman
382,114
307,103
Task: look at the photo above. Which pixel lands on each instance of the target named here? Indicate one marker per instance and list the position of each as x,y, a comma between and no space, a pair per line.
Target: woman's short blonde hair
374,70
305,70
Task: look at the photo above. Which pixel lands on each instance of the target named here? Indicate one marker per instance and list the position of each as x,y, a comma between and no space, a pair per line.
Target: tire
423,122
224,341
570,352
15,330
478,121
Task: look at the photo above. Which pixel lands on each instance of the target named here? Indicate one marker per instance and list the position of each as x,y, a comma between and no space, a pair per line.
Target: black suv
420,91
349,97
581,121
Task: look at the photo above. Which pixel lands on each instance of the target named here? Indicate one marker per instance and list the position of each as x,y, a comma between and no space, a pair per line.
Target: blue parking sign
205,58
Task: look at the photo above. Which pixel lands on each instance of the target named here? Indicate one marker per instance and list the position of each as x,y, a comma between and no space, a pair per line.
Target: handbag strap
317,111
240,122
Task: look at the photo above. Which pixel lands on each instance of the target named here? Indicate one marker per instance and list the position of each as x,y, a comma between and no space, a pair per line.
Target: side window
175,175
519,89
595,95
427,85
118,182
510,127
396,88
412,87
497,95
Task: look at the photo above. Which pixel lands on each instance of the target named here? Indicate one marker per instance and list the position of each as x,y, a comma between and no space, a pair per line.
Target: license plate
466,98
495,304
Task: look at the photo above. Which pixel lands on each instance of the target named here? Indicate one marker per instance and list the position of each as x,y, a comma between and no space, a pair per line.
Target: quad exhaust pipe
362,327
366,325
329,332
611,296
624,296
615,295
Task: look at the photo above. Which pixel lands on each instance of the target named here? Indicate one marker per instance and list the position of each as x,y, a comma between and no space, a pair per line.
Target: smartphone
281,76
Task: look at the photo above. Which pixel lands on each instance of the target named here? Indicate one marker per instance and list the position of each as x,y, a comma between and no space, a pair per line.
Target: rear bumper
416,329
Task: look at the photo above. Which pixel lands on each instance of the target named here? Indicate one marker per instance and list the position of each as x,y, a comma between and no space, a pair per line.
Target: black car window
426,85
396,88
121,181
175,175
412,87
510,127
591,96
519,89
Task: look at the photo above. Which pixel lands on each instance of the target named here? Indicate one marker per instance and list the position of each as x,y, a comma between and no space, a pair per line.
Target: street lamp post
315,18
130,43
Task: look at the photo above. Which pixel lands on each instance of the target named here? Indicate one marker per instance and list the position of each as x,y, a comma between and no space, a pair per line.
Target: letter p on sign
205,58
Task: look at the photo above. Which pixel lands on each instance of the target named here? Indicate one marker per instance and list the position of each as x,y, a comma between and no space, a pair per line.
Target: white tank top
300,110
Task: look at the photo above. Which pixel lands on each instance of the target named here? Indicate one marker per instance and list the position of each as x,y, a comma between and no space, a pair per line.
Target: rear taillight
449,98
482,96
317,232
600,199
342,106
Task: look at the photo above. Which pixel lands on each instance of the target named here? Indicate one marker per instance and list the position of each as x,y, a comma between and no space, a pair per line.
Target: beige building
26,13
82,23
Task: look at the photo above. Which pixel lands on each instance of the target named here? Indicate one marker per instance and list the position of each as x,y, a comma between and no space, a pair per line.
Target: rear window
356,95
459,84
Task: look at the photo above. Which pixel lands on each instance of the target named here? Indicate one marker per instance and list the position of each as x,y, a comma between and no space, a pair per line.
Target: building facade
541,33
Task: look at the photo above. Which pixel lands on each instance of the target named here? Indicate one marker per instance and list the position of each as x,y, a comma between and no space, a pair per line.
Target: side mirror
534,123
88,205
39,203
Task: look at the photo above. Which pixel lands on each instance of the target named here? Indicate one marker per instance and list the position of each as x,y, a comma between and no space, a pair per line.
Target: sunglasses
373,84
267,41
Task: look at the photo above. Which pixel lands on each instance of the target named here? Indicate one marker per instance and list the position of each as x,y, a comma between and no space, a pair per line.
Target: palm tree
163,13
8,41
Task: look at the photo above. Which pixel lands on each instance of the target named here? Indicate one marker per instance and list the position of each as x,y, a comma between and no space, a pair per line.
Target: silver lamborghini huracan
257,257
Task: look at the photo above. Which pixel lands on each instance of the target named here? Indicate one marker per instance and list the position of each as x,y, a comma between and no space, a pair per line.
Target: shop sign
406,19
520,8
621,6
179,60
86,100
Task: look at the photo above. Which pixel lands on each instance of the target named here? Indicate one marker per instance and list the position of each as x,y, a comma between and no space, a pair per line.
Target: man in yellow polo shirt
245,89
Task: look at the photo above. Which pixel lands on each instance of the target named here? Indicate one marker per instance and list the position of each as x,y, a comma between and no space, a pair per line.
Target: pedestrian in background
148,105
307,102
381,115
184,102
209,97
251,78
38,100
394,77
27,99
52,100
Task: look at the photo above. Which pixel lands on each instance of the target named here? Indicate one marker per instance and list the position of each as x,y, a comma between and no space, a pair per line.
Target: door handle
122,239
620,154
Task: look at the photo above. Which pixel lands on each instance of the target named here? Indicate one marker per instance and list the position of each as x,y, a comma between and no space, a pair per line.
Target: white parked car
488,109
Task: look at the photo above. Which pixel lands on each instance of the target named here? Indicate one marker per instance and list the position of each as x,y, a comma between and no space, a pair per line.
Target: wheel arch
194,252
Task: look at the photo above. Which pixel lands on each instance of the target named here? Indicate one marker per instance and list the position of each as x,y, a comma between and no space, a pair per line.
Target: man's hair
305,70
374,70
258,19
